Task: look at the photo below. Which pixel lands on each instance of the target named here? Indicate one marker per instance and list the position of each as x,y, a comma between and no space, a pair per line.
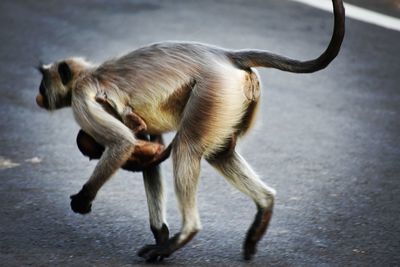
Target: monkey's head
57,82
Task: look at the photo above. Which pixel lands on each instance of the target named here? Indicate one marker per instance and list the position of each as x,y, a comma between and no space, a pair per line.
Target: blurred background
328,142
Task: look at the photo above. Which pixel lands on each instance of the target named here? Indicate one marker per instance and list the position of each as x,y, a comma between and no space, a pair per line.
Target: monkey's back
158,79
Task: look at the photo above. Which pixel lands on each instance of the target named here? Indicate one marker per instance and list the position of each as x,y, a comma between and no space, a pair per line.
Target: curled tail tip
245,59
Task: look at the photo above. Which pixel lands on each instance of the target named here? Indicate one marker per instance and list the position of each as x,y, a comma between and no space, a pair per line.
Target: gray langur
208,95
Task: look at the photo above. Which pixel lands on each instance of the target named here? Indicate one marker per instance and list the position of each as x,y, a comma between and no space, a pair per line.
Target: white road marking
7,163
34,160
357,13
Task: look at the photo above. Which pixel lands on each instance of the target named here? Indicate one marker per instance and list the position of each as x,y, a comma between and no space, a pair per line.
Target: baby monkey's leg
127,116
133,121
108,105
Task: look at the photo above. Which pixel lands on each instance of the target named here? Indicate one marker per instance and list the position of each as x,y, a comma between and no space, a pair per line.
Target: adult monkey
208,95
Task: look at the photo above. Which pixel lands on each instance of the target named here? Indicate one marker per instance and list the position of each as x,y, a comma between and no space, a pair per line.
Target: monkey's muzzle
40,100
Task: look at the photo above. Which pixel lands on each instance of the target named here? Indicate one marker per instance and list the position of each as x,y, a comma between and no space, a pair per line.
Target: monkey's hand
82,202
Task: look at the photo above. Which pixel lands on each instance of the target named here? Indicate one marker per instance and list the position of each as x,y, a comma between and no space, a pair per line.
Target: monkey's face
54,89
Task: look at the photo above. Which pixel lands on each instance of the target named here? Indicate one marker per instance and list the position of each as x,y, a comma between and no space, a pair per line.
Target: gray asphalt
387,7
329,142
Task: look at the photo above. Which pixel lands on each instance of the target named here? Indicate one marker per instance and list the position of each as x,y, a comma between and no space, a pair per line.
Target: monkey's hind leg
186,174
236,170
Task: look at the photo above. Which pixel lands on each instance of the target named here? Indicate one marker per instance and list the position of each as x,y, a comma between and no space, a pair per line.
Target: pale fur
154,186
145,80
216,96
208,95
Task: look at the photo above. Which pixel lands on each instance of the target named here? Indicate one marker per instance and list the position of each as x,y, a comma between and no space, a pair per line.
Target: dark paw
153,253
249,250
256,232
81,202
160,235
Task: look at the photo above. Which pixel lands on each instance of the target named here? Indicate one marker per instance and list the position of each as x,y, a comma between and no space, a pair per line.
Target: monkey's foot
157,252
160,235
256,232
81,202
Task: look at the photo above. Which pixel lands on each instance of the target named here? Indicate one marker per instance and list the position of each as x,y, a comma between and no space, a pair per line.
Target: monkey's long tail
245,59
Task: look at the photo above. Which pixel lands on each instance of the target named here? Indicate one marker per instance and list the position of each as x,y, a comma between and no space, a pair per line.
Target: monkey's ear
40,67
65,72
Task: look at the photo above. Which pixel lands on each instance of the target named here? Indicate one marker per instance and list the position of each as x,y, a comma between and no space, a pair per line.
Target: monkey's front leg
119,144
111,160
154,186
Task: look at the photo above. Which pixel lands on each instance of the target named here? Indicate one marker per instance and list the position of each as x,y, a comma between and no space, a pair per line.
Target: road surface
328,142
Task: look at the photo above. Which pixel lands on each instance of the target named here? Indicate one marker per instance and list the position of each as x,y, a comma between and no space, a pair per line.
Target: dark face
42,98
53,90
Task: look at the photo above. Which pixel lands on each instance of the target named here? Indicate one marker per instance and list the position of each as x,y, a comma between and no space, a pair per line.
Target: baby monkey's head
58,78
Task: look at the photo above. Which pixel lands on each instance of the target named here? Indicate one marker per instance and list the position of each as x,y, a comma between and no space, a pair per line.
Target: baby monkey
145,155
